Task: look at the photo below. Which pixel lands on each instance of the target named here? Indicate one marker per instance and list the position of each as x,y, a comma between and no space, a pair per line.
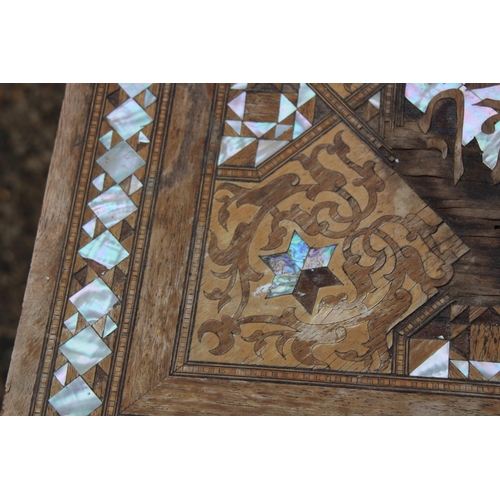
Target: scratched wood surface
175,363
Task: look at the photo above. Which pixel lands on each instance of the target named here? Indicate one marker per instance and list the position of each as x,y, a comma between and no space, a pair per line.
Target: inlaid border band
119,207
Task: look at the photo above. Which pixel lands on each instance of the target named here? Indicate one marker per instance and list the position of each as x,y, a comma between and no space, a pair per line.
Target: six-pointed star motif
301,271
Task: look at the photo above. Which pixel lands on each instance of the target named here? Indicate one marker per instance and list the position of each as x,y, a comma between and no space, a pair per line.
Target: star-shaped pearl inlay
301,271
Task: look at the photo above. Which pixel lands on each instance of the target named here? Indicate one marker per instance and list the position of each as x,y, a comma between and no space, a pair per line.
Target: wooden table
266,249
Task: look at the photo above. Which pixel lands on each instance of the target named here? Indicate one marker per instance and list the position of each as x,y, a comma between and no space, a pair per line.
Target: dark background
29,114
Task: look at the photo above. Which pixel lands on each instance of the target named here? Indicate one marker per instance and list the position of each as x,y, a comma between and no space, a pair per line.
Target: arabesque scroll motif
392,254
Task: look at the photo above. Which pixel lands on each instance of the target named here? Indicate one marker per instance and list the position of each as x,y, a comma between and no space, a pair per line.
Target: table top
227,249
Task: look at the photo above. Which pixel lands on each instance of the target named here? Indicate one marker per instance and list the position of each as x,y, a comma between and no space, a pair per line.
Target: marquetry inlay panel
314,266
303,257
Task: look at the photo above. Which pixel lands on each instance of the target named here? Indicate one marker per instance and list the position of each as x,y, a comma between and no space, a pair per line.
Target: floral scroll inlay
391,251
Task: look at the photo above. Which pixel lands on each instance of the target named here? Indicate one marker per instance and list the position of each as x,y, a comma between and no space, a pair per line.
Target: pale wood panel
69,144
178,396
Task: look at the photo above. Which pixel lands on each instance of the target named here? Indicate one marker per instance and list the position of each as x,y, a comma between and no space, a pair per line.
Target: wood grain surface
471,207
52,231
176,396
164,277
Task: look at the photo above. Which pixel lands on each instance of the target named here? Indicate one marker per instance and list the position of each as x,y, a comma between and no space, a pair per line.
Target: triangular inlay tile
281,129
462,343
135,185
462,366
422,349
61,374
456,330
305,94
71,323
149,98
435,366
238,104
142,138
98,182
81,276
105,140
232,145
486,368
235,125
456,309
259,128
300,126
89,228
286,108
267,148
475,312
